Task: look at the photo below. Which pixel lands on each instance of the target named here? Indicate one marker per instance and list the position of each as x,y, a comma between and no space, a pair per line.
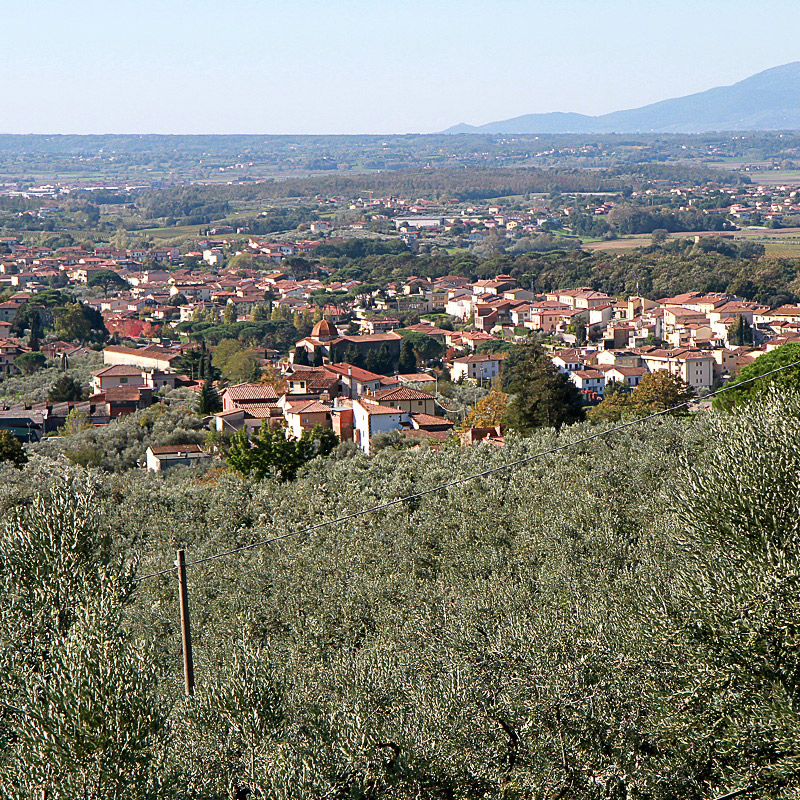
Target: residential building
370,418
407,399
476,367
160,459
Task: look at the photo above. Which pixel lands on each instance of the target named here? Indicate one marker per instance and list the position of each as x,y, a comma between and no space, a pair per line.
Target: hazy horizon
365,68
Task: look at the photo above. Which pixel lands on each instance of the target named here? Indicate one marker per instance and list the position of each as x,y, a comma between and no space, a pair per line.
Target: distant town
349,372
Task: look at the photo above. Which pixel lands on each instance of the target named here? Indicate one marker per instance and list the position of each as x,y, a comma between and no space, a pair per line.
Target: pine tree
542,396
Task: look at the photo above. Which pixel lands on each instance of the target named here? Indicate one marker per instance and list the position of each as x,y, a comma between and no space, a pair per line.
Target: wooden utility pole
186,633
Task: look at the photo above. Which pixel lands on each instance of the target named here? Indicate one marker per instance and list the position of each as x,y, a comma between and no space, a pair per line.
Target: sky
353,66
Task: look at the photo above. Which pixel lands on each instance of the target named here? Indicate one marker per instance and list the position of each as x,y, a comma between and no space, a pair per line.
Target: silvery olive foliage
34,388
79,712
121,444
614,621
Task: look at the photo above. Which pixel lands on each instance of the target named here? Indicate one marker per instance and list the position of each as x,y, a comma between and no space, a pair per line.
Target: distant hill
767,101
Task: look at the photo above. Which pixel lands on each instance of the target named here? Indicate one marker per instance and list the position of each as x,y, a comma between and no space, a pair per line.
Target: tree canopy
541,396
273,451
11,450
743,389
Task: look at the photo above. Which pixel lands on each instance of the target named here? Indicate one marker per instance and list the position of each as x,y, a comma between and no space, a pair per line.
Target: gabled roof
402,393
629,372
430,422
122,394
348,370
244,392
416,377
377,408
117,370
588,374
308,407
476,358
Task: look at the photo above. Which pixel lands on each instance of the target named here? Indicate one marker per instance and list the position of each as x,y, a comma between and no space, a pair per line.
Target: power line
459,481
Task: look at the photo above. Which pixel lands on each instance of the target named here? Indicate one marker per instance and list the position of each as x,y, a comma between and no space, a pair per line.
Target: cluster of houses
704,338
356,403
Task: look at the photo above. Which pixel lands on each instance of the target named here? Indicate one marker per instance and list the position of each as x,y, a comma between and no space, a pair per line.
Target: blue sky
351,66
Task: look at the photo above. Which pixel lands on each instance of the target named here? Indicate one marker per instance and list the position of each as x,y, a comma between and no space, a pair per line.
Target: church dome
324,330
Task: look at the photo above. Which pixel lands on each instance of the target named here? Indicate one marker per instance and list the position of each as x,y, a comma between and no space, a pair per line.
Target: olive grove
616,620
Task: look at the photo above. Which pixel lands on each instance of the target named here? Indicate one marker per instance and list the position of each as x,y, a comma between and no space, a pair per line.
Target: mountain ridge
768,100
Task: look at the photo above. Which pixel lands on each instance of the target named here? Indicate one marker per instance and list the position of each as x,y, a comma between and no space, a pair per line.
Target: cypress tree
209,401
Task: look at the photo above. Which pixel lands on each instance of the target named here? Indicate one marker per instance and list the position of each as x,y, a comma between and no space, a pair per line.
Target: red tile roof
376,408
348,370
402,393
251,391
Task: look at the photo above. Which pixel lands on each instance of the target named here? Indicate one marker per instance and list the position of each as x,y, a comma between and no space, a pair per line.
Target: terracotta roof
370,337
308,407
588,373
251,391
348,370
429,330
430,422
628,371
118,369
120,394
377,408
421,433
416,377
152,351
477,358
261,410
324,328
402,393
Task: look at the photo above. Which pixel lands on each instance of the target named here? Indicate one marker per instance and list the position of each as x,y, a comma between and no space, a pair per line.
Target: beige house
476,367
695,367
631,377
117,375
407,399
304,415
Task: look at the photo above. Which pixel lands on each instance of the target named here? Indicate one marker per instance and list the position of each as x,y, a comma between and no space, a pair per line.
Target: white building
160,459
589,380
370,418
476,367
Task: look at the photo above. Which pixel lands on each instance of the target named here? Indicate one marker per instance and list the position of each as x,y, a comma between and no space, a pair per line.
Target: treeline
679,265
193,205
277,219
626,220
